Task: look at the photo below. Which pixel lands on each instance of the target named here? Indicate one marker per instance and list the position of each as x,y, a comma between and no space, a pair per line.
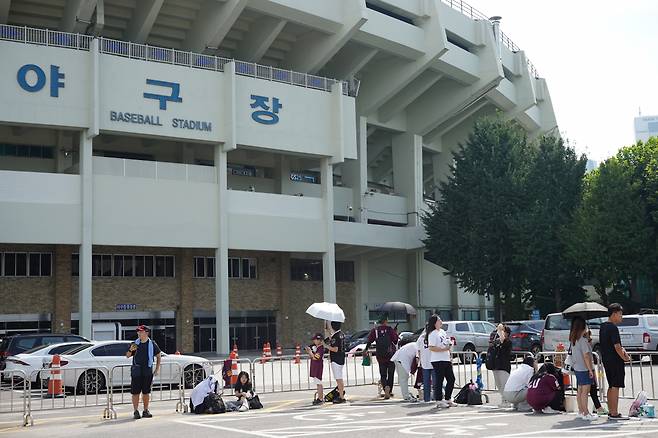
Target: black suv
17,344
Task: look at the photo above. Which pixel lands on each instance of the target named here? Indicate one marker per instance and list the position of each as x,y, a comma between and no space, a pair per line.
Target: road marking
614,425
227,429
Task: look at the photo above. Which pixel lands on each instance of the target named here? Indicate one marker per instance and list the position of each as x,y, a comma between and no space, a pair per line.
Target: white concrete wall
39,208
388,279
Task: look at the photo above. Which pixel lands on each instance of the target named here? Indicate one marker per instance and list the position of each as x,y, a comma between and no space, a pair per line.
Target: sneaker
550,410
146,414
136,415
243,407
617,417
590,417
339,400
317,401
451,403
442,404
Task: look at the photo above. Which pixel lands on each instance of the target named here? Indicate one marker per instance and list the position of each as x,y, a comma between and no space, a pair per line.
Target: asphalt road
290,415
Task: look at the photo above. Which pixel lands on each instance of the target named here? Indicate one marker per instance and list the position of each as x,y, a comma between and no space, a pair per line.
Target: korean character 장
266,115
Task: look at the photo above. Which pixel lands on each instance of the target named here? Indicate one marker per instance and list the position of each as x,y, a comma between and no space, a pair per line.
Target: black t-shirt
608,337
337,340
140,356
239,387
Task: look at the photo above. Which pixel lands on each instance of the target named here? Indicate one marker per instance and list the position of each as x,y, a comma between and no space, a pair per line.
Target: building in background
211,168
645,127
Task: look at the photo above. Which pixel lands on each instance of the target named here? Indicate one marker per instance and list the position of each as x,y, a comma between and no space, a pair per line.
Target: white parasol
326,311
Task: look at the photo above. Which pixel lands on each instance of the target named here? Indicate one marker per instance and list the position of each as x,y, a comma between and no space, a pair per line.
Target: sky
599,58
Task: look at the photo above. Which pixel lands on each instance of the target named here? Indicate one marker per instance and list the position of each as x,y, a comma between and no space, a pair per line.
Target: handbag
254,403
568,362
366,362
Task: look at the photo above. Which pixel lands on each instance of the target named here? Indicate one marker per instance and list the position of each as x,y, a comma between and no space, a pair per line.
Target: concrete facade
330,148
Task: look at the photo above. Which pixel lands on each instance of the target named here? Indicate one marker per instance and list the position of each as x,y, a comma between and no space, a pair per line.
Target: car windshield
515,327
558,322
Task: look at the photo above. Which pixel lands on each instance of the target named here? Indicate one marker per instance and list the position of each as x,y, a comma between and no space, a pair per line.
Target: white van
556,331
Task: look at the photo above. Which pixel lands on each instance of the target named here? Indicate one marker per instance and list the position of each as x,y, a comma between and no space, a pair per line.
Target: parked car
556,331
526,336
357,338
12,345
640,333
92,364
406,337
469,335
39,357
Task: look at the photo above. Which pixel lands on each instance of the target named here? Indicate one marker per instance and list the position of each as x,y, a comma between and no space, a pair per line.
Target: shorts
615,374
141,384
316,381
582,377
337,370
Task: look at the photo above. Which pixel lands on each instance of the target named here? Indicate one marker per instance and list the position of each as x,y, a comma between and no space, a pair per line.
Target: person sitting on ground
543,389
385,338
404,359
516,388
243,391
199,402
316,353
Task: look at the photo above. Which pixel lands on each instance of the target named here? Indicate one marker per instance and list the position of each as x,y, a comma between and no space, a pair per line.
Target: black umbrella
586,311
396,307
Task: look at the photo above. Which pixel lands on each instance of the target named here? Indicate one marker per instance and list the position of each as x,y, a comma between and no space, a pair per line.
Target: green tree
470,229
553,191
610,237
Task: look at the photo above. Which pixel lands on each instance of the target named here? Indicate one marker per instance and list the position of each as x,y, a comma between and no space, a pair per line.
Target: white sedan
87,370
34,359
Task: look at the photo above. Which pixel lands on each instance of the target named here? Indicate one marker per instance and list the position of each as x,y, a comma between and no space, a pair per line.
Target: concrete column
185,311
415,284
221,258
61,322
284,325
355,172
329,256
408,173
362,317
84,291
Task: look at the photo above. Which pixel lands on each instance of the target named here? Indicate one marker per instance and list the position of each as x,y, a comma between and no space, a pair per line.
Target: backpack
331,395
384,345
490,361
462,396
214,403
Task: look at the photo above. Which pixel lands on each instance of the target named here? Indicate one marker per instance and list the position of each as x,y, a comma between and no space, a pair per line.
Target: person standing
336,347
385,339
594,388
516,388
426,367
403,360
316,353
440,345
614,357
143,352
581,355
502,367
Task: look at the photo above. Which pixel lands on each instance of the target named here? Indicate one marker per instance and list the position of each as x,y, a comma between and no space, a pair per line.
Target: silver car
469,335
640,333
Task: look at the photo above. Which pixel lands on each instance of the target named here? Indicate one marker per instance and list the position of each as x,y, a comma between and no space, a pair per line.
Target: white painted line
614,425
227,429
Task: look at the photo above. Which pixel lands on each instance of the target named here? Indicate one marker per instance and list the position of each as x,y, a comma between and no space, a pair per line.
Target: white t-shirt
519,378
425,353
405,355
439,338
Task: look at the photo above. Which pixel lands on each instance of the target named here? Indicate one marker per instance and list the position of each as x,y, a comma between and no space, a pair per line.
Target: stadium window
148,266
10,264
106,266
471,315
35,264
118,266
210,267
96,265
75,265
199,267
305,270
248,268
21,264
233,267
46,264
159,266
169,266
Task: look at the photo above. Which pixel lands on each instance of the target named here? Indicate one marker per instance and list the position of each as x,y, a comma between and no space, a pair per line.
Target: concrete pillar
283,322
61,322
408,173
355,172
84,291
362,316
415,284
185,311
221,258
329,256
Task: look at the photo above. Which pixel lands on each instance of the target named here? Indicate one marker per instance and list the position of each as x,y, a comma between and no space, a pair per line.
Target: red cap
143,328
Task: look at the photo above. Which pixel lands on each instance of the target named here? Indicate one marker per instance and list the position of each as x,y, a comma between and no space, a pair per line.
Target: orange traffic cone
234,368
268,351
55,387
279,350
298,354
264,358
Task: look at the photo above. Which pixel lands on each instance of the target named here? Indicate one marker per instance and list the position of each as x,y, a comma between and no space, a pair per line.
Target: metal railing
475,14
145,52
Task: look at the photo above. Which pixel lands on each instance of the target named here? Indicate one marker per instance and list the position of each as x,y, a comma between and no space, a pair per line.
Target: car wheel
192,375
91,382
469,353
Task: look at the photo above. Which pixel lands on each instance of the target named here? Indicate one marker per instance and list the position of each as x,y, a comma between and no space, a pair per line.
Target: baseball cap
317,336
143,328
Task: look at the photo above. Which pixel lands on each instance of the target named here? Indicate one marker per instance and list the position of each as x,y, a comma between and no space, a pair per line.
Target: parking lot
290,415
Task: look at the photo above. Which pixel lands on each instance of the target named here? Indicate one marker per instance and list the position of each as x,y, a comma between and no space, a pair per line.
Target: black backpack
490,361
215,404
384,345
462,396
